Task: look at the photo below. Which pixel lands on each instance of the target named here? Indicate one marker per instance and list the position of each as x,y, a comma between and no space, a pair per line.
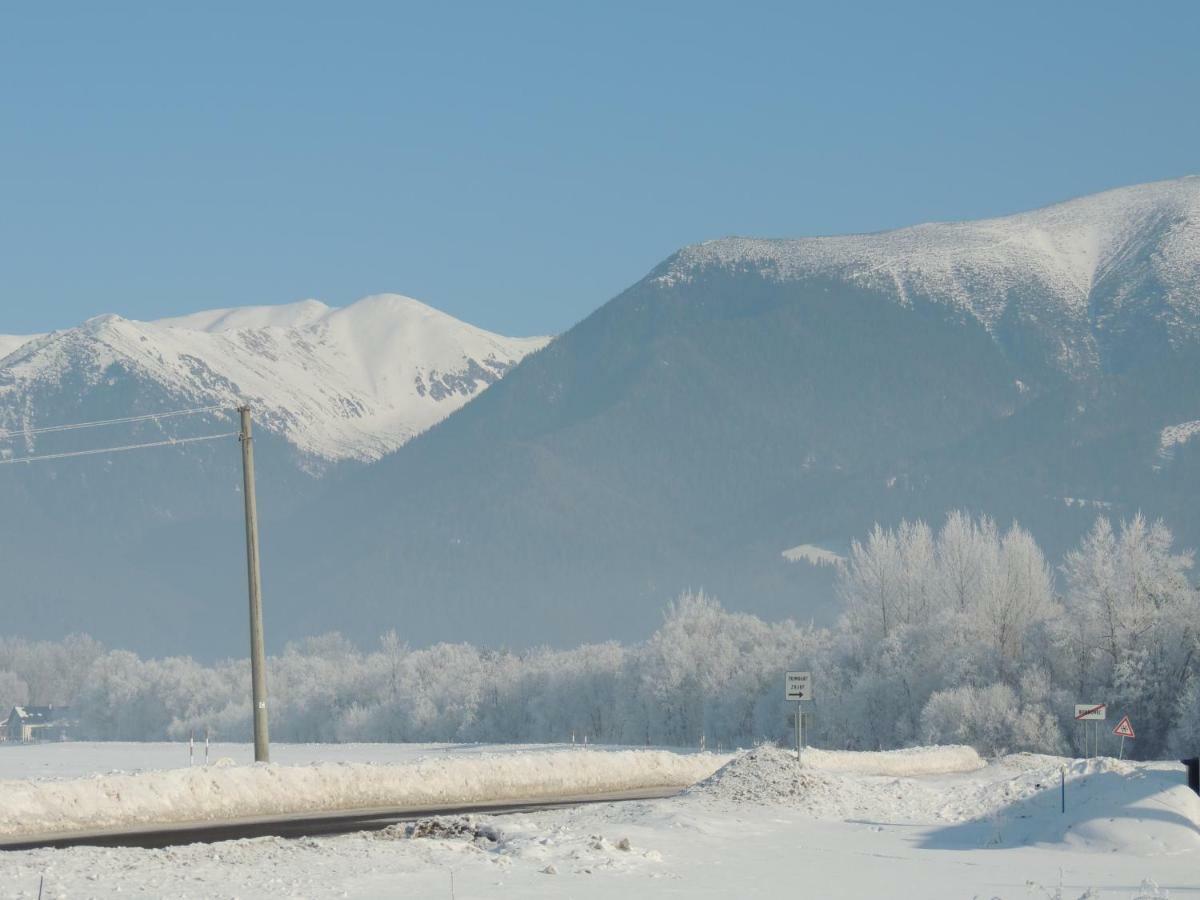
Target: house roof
38,714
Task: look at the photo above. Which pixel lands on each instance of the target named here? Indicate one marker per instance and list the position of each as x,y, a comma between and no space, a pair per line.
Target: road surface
296,825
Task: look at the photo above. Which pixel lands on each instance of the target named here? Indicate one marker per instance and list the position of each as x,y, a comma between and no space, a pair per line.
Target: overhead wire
47,429
170,442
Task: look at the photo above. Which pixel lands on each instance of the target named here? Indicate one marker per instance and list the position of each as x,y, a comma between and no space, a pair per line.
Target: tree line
964,634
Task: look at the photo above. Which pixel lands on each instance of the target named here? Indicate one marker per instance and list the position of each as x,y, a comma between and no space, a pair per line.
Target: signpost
798,686
1124,730
1091,712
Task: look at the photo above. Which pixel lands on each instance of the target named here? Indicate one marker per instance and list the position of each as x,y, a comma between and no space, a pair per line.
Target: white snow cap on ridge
1063,252
349,383
10,343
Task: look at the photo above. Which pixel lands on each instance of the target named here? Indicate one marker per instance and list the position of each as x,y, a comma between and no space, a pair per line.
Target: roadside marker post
798,686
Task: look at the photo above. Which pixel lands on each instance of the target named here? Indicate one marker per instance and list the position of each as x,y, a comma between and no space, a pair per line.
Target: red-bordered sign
1124,728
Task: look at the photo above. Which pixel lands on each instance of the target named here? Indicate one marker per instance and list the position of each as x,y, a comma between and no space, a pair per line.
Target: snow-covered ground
760,827
73,759
226,791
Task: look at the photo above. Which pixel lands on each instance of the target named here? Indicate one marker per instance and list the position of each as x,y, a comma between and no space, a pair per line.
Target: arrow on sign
1124,728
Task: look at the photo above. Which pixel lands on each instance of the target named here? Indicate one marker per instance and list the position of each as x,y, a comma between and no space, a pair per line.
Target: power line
167,443
122,421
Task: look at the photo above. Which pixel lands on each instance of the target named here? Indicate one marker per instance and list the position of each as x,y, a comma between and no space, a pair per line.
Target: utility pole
258,662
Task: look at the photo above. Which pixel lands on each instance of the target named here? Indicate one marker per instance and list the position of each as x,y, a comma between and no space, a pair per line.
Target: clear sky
517,164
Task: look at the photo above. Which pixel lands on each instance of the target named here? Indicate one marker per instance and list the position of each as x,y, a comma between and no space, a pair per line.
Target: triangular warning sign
1124,729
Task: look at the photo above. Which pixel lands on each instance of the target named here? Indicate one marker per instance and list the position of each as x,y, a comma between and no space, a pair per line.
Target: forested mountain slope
142,548
745,398
749,396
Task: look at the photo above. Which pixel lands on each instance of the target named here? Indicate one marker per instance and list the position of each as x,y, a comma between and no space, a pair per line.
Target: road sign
1124,728
1086,712
798,686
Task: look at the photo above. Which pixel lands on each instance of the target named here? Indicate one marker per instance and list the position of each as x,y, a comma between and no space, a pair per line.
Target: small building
27,724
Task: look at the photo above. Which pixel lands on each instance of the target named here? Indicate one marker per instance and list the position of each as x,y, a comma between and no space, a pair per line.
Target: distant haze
745,400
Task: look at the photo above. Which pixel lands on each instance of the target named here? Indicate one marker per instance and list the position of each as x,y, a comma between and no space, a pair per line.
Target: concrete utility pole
258,662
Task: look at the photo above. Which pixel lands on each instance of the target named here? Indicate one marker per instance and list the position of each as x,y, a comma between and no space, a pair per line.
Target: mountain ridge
742,399
723,410
338,383
1066,252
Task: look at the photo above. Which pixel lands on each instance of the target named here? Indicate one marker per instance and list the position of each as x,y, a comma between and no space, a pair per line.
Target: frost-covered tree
13,692
967,608
953,635
992,719
1132,633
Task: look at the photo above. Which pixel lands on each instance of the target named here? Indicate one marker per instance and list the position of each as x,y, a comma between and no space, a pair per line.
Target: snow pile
907,762
223,792
1141,809
839,784
1111,807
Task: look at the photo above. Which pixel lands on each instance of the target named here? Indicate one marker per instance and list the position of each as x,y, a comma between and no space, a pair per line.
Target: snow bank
221,792
1142,809
831,784
907,762
1138,809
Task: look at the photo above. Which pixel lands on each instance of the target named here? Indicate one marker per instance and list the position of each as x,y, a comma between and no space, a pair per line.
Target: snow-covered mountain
351,383
11,342
744,399
749,397
1082,273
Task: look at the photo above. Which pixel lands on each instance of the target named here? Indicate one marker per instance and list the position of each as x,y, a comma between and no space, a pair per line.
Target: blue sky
519,164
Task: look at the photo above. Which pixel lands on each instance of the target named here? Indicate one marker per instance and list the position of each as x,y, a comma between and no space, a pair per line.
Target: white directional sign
798,686
1086,712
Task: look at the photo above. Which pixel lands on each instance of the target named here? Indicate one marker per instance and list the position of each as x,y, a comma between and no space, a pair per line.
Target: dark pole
1193,772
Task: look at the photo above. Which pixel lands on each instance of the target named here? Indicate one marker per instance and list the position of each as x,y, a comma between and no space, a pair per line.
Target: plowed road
304,824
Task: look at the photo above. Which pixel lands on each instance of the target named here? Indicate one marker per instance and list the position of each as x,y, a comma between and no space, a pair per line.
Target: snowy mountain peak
287,315
1077,264
11,343
351,383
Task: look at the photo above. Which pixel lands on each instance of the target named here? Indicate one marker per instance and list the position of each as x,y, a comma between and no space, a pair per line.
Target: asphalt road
304,824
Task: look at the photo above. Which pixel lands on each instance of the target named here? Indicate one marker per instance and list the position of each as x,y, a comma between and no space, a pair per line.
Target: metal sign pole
799,731
798,686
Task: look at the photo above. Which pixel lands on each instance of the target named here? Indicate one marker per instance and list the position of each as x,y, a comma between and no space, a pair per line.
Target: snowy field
934,823
72,759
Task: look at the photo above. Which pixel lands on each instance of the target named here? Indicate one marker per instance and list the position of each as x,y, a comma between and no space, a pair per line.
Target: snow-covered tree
953,635
1132,633
13,691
